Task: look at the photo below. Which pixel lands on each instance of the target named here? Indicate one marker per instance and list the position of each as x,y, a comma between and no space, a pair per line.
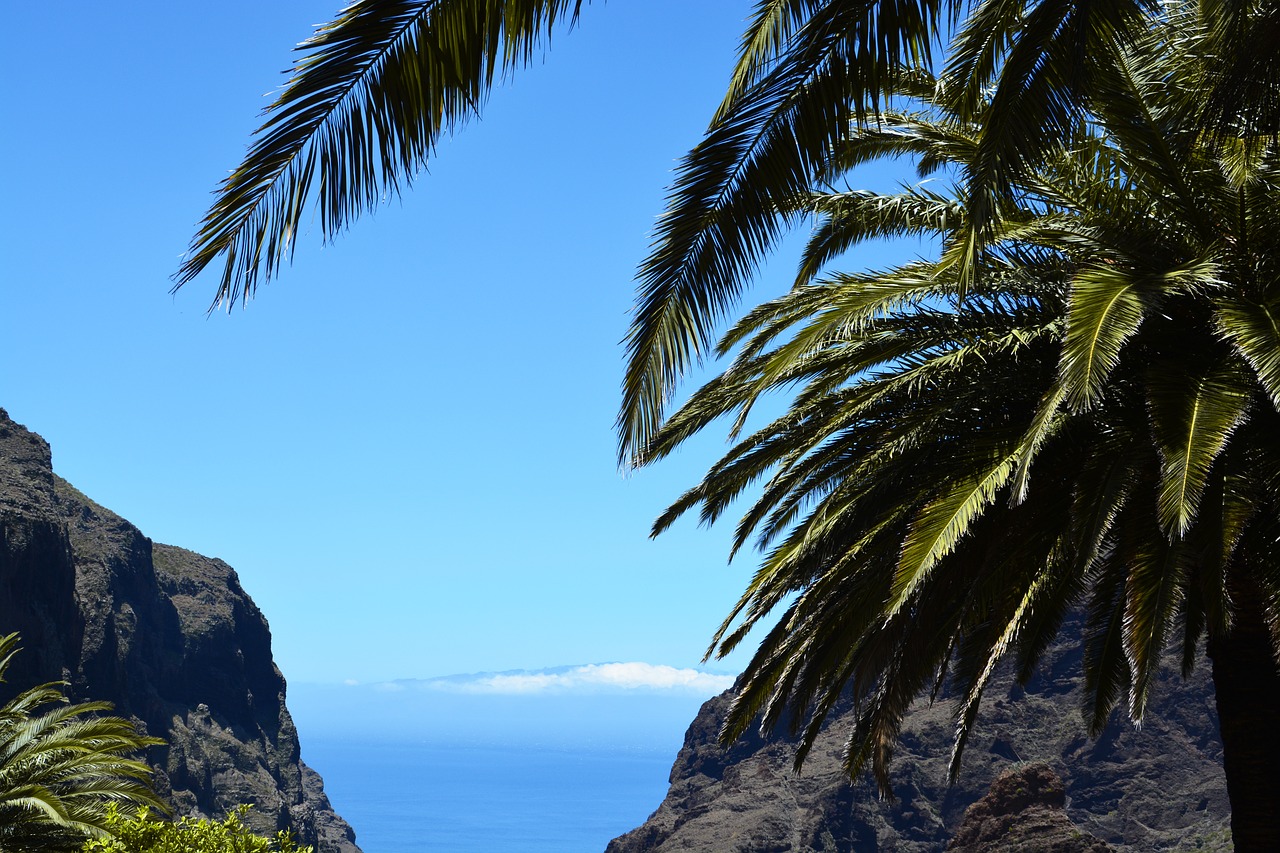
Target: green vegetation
64,769
142,834
1075,405
1086,414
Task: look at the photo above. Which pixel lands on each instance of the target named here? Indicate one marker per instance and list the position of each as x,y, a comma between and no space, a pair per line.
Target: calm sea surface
458,798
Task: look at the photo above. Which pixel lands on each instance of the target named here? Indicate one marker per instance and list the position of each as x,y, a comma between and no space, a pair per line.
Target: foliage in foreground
143,834
1089,422
64,769
1083,418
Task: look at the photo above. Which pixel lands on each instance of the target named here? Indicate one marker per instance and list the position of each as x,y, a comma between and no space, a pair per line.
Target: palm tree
62,768
1084,417
1106,279
377,87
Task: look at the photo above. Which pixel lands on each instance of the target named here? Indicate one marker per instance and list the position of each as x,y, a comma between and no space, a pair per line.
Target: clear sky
404,445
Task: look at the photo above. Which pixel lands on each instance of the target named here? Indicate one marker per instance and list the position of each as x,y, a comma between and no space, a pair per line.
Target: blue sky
404,444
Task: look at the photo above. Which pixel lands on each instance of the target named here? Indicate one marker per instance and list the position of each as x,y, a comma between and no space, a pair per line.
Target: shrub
143,834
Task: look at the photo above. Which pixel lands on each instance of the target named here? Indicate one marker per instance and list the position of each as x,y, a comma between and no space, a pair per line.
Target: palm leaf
1253,328
1153,593
1192,418
1106,309
372,94
942,524
735,190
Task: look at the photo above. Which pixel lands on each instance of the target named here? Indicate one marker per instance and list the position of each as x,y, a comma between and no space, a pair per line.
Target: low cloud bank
591,678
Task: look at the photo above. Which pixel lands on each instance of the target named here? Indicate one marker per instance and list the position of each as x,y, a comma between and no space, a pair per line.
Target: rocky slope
1023,813
1155,788
167,635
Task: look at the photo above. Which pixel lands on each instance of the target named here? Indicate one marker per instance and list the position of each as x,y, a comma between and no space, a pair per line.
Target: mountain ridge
167,635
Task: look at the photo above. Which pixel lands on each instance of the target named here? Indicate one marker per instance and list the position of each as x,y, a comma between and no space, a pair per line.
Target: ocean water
459,797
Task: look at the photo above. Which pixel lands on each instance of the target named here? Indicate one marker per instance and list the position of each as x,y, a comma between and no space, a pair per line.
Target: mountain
1023,813
167,635
1158,787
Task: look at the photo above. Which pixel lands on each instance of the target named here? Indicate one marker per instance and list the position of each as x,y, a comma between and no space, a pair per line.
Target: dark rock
1023,813
167,635
1158,787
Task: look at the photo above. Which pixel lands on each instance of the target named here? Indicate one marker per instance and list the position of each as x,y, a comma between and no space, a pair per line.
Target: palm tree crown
1083,414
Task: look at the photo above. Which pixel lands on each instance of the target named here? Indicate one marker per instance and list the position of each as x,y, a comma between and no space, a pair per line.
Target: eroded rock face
1023,813
1155,788
167,635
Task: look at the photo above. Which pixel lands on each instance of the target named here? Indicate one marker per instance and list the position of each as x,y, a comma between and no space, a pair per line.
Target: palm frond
1156,573
1253,328
1192,418
938,529
372,94
1106,310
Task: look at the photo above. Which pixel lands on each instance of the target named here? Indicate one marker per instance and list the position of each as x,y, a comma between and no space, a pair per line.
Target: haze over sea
558,761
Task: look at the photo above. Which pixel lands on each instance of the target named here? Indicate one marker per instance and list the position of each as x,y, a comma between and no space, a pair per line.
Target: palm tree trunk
1247,683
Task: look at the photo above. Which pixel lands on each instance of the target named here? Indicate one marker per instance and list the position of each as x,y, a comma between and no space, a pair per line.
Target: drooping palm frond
725,209
372,94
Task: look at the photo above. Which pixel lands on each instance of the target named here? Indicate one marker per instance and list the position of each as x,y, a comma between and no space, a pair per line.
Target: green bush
189,835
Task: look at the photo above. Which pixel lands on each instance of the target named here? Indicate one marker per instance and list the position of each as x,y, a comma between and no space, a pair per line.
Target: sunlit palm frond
1192,418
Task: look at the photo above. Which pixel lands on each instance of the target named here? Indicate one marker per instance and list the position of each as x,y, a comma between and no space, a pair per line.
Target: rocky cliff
1023,813
1155,788
167,635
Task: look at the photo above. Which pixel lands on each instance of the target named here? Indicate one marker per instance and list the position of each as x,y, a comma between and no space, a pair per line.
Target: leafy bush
188,835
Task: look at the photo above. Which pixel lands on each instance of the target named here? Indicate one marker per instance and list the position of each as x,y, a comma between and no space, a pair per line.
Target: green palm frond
61,767
1107,306
724,214
937,530
1106,669
1156,571
850,218
1254,330
366,104
756,163
969,705
882,41
1192,419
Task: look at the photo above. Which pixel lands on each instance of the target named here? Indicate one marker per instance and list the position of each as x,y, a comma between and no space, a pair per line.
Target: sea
414,768
404,797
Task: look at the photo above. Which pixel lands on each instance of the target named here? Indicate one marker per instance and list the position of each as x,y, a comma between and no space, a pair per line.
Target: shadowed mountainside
1156,788
165,634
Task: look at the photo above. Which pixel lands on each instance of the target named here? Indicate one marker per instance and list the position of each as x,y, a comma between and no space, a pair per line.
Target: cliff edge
167,635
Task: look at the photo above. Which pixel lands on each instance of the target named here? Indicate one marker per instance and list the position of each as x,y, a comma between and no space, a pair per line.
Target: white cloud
592,678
